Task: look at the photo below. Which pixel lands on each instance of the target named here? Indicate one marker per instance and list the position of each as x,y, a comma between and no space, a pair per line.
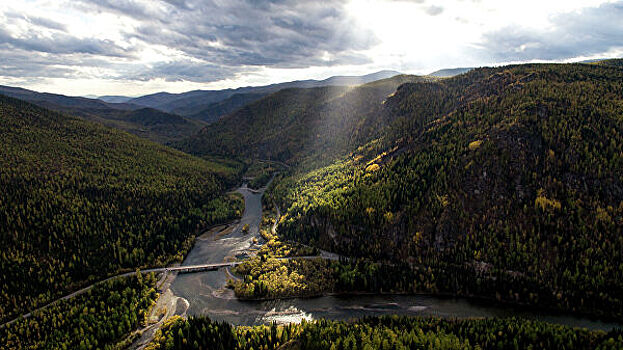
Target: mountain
198,103
149,123
114,99
160,100
295,123
617,63
145,122
62,101
81,201
449,72
216,110
509,174
354,80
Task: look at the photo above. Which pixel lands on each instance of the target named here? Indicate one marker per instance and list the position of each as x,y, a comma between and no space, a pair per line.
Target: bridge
178,269
198,268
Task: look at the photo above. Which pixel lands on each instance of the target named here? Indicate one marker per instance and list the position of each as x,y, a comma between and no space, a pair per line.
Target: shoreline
475,299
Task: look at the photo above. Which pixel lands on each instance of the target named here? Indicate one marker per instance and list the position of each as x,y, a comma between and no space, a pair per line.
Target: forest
296,124
259,173
509,174
389,332
98,319
502,183
81,202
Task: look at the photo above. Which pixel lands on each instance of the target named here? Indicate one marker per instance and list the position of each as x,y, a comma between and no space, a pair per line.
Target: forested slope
145,122
510,174
98,319
293,124
80,201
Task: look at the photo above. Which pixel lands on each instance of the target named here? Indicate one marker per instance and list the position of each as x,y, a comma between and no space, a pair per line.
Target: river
206,294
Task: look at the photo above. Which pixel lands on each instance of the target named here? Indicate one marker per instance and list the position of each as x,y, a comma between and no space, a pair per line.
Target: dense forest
383,333
149,123
509,174
98,319
258,174
80,202
295,124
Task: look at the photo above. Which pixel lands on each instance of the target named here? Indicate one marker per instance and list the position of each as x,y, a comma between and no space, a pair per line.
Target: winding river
206,294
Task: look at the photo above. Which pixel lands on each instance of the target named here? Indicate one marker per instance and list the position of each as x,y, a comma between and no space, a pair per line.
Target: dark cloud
279,33
47,23
38,21
434,10
18,63
60,43
215,39
181,71
591,31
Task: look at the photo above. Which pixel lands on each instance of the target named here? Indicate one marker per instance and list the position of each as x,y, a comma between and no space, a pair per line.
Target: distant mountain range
115,99
145,122
208,105
278,126
166,117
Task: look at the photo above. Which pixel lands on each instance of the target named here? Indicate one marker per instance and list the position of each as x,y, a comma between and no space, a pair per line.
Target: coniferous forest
307,175
383,333
510,174
99,319
81,202
504,184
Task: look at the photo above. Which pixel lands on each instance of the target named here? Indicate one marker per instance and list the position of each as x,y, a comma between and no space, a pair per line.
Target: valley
206,293
490,195
311,175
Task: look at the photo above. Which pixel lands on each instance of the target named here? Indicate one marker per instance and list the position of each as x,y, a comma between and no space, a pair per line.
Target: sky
137,47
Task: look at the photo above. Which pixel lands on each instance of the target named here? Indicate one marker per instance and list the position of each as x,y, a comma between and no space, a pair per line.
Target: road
178,269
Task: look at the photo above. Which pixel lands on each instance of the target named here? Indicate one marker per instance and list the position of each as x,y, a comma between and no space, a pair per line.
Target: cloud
587,32
59,43
20,63
202,41
181,71
434,10
238,42
279,33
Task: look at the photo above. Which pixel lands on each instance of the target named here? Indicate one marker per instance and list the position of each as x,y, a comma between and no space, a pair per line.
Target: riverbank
388,332
207,294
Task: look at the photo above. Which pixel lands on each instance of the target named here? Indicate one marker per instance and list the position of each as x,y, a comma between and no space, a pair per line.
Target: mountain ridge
512,173
197,101
145,122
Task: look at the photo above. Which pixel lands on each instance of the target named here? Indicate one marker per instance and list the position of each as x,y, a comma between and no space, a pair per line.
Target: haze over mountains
166,117
199,104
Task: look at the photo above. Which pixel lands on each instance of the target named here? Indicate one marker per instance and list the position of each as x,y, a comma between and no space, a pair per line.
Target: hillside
296,123
145,122
148,123
199,102
216,110
509,174
81,201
